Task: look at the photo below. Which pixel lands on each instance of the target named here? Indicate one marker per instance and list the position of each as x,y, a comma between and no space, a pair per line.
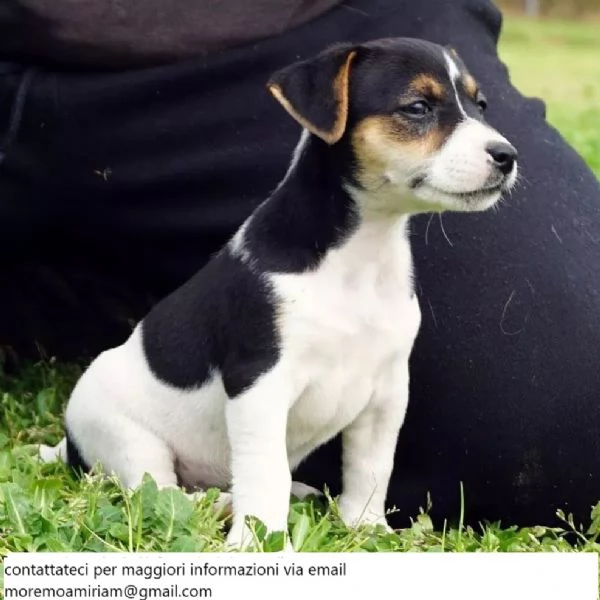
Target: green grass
43,508
558,62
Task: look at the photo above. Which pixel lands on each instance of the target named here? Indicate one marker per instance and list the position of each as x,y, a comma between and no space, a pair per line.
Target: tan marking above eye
471,86
428,85
380,140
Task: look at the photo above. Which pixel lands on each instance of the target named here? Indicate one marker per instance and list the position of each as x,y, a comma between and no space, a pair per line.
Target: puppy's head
408,117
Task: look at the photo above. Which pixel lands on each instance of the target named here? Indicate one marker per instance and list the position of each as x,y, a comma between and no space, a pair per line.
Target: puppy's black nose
503,155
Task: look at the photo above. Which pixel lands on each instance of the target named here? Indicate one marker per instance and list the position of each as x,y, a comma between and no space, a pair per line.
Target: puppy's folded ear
315,91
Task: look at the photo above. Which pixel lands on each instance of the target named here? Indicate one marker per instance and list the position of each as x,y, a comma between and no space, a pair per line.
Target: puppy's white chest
345,328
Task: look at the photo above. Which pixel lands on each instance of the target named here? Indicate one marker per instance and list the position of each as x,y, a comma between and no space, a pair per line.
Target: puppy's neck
311,213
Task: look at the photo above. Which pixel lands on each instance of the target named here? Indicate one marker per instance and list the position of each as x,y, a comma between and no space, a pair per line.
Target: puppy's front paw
239,538
354,515
242,538
222,505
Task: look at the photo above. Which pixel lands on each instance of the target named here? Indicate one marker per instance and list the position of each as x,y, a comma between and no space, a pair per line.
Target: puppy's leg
261,479
369,445
162,471
122,447
152,456
52,453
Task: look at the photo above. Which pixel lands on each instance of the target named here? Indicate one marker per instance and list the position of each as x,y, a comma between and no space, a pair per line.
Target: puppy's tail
52,453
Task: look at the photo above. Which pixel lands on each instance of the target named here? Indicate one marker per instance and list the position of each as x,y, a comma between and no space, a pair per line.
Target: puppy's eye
415,109
481,101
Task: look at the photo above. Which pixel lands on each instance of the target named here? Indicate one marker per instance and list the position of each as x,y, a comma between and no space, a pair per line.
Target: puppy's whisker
427,228
444,231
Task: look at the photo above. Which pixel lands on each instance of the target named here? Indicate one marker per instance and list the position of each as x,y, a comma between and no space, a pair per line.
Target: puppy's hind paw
51,453
303,491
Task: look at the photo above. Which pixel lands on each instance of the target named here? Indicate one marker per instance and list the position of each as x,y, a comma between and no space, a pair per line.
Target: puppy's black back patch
222,319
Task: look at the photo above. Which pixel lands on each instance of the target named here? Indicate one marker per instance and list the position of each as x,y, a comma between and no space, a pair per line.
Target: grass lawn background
559,62
42,508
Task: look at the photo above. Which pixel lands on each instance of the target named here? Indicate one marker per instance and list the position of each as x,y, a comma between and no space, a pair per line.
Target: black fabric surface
118,186
130,33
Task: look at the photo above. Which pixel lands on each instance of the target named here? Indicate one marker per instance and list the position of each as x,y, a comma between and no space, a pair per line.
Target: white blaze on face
454,74
463,164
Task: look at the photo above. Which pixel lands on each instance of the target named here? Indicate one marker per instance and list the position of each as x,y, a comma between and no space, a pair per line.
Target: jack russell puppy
301,327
